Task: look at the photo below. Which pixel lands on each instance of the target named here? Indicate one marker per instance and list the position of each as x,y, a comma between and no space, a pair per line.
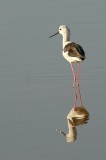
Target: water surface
35,80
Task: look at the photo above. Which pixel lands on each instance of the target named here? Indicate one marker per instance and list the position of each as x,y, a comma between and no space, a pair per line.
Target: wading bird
72,52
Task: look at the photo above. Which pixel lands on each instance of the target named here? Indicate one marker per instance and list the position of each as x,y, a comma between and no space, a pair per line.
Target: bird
73,53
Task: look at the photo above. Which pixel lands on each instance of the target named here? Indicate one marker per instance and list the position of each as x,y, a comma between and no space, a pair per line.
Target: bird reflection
80,116
71,136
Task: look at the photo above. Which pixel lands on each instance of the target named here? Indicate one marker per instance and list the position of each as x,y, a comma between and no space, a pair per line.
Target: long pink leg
80,97
75,98
73,75
75,94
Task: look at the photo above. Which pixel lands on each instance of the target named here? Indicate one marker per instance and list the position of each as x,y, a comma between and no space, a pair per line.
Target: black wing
75,50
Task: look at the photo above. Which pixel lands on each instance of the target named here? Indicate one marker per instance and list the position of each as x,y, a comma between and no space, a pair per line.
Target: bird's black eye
60,29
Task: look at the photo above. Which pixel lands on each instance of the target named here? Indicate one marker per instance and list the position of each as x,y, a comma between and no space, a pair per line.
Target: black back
75,50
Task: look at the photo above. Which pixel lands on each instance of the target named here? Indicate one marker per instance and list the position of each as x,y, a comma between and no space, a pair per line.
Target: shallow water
35,80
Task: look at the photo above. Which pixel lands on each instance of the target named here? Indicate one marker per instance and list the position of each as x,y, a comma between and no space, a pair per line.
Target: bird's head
63,29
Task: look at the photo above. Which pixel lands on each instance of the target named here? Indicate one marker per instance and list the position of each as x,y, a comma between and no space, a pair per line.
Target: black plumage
75,50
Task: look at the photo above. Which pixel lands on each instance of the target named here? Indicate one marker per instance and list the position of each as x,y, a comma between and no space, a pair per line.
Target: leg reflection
79,94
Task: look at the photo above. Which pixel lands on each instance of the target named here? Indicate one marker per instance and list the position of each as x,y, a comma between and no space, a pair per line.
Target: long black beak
54,34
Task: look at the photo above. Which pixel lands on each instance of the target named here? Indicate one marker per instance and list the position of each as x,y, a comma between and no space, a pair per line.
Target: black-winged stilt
73,53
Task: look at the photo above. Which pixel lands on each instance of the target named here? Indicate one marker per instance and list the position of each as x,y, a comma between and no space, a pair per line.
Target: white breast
70,59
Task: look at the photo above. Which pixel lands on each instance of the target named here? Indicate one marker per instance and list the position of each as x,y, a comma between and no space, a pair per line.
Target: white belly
71,59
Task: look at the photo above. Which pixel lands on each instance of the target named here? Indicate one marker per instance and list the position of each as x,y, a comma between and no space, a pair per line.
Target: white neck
66,39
